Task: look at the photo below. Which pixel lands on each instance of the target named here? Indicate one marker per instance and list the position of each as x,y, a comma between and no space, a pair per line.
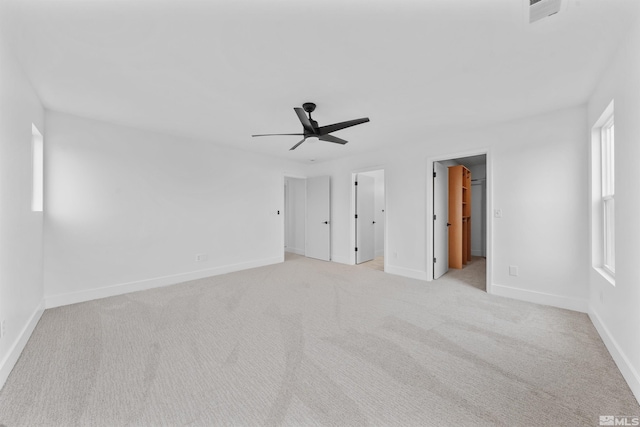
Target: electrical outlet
201,257
497,213
513,270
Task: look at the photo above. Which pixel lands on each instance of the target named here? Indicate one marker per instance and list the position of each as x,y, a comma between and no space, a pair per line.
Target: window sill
607,275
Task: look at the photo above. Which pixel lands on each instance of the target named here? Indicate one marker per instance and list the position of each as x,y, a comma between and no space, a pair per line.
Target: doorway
295,201
369,218
307,217
460,228
318,219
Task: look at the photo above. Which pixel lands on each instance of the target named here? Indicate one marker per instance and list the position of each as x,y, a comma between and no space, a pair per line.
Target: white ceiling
223,70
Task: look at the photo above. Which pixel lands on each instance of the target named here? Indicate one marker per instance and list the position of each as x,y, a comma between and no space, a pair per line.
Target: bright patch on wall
37,154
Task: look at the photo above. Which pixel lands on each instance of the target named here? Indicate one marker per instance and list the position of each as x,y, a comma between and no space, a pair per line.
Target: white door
318,244
441,215
365,218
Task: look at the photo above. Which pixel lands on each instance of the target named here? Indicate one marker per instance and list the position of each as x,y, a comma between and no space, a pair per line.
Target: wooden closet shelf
459,216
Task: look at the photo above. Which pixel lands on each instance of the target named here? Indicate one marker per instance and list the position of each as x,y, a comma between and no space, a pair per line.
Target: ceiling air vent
539,9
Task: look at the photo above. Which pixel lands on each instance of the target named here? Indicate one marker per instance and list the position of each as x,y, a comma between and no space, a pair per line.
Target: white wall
614,309
478,172
129,209
449,163
478,218
478,210
544,221
21,229
295,214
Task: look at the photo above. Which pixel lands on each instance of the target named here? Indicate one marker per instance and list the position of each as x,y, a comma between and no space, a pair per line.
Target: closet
459,216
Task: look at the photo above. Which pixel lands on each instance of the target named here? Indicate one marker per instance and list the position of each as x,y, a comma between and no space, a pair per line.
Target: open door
440,217
365,218
318,230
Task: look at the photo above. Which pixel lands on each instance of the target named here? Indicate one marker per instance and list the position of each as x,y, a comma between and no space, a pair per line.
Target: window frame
607,173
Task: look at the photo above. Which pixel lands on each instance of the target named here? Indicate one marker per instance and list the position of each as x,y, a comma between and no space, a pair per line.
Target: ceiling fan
311,129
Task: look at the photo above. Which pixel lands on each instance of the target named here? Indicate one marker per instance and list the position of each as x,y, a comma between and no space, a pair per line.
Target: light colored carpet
474,273
308,342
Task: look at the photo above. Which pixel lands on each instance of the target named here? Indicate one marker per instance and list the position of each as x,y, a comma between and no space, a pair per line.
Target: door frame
489,208
352,213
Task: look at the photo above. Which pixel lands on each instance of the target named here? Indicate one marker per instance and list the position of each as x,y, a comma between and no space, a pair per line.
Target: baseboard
141,285
568,303
622,361
405,272
295,251
7,364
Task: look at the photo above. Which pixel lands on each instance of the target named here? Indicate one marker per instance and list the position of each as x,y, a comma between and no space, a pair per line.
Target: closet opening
459,226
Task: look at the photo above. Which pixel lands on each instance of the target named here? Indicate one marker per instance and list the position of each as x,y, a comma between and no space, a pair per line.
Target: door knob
326,222
374,222
448,225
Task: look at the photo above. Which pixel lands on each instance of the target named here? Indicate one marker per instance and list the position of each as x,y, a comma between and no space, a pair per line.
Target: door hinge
356,216
434,174
434,260
356,249
434,217
356,182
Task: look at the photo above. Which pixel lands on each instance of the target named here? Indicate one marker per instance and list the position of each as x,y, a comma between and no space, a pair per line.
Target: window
37,155
608,195
603,212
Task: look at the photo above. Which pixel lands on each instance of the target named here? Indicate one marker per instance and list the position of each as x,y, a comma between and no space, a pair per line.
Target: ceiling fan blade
296,146
323,130
331,138
304,120
278,134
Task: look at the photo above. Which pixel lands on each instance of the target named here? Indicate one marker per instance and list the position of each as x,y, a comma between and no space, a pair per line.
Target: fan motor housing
309,107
